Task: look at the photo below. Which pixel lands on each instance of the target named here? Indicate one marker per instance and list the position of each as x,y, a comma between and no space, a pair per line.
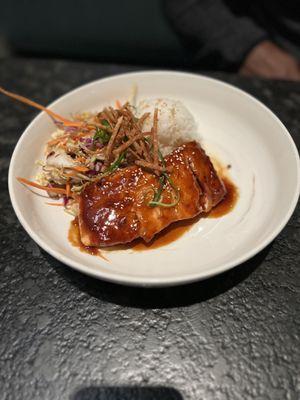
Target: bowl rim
137,280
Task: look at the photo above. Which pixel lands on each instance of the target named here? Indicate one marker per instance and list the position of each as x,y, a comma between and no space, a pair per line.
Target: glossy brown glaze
177,229
228,202
115,209
75,240
108,208
167,236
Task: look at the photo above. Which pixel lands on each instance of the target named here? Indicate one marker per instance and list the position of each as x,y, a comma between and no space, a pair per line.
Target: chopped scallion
101,135
115,165
156,199
105,122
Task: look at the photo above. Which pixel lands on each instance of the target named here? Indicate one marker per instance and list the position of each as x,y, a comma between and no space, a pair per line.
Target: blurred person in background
256,38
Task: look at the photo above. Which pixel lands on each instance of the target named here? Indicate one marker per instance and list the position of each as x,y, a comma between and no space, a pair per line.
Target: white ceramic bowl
234,128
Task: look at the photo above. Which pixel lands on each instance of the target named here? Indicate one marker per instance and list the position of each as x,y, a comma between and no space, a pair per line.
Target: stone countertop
67,336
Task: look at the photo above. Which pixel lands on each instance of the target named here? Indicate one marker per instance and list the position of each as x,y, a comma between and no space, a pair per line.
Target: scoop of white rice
175,122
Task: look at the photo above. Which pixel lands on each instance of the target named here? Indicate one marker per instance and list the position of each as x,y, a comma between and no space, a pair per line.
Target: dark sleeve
217,35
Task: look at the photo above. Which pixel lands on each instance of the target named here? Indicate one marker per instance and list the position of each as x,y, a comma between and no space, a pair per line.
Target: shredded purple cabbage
98,166
98,144
95,169
59,124
91,172
87,142
70,129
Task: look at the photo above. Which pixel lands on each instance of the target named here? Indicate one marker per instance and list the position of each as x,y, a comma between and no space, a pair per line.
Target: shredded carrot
68,189
80,159
70,174
58,140
118,104
80,135
55,204
63,144
31,103
53,142
79,168
36,185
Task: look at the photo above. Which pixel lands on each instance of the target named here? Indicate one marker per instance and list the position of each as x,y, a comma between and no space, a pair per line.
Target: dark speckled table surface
67,336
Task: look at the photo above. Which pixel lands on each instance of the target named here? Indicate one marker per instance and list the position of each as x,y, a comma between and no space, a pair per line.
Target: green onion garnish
101,134
162,181
158,193
115,165
161,204
105,122
161,157
156,199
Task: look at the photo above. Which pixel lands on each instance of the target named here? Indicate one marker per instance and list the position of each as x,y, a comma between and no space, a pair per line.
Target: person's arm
219,38
270,61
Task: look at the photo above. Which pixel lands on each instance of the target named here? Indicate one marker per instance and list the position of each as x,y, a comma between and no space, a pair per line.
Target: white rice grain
176,124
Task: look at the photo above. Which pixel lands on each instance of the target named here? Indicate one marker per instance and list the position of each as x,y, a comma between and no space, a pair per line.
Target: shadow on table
168,297
126,393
